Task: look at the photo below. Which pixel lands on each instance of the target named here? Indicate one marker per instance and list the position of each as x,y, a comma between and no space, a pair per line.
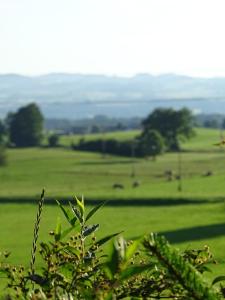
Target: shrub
110,146
53,140
150,143
75,265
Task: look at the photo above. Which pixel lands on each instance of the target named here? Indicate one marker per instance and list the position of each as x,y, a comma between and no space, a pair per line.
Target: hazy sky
120,37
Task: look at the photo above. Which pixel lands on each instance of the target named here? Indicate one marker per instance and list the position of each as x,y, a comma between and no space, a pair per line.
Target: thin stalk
36,232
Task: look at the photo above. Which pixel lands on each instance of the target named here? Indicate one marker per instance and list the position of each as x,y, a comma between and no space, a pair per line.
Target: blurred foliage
75,265
53,140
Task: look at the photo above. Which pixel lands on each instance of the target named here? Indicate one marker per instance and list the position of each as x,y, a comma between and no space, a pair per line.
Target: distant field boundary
117,202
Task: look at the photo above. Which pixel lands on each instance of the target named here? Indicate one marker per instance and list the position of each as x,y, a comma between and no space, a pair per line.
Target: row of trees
162,131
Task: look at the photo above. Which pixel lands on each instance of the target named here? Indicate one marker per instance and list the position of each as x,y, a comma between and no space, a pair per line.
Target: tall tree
171,124
26,126
150,143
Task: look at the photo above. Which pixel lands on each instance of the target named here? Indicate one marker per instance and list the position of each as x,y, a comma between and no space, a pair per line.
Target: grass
172,220
190,218
67,140
63,172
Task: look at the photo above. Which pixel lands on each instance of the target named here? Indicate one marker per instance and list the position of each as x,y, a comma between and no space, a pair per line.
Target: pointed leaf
45,247
80,204
132,248
120,245
112,266
134,270
66,232
58,231
77,213
72,250
66,213
107,238
94,210
89,229
218,279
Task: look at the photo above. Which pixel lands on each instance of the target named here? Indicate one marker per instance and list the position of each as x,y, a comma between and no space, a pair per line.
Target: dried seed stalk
36,232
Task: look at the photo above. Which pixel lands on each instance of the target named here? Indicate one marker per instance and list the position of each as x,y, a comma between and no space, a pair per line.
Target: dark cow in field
169,175
118,186
208,173
136,184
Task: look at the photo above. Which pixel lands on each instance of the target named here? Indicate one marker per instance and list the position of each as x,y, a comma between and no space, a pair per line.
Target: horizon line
110,75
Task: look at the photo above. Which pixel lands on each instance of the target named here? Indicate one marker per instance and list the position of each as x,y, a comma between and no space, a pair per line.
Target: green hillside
189,218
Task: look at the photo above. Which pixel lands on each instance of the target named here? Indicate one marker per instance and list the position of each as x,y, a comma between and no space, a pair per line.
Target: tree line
162,130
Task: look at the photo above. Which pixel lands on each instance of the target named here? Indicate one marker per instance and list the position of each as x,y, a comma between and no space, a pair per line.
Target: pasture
189,218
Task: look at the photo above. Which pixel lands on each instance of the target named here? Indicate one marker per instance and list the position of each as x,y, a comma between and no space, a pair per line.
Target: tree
53,140
95,129
26,126
211,124
171,124
150,143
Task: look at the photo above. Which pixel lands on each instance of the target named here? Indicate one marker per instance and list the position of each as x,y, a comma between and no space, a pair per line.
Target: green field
189,218
119,135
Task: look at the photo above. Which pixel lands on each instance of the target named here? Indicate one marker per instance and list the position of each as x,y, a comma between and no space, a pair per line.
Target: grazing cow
136,184
208,173
169,175
118,186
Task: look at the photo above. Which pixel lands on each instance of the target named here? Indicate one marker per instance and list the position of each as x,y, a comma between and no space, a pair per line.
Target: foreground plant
75,265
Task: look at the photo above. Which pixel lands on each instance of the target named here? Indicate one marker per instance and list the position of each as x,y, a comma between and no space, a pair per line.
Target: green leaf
204,269
134,270
71,250
112,266
107,238
132,248
66,232
94,210
109,296
89,229
120,245
58,231
66,214
191,280
2,270
73,221
77,213
80,204
218,279
45,247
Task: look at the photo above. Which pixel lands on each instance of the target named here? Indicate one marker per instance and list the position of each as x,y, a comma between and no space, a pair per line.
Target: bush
53,140
110,146
150,143
75,265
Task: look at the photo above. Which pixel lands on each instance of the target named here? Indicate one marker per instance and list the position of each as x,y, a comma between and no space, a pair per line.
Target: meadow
189,218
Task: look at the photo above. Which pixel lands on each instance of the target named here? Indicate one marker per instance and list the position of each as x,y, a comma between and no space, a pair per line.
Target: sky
113,37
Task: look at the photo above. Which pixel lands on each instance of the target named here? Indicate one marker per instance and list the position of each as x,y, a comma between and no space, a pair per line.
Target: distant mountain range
76,96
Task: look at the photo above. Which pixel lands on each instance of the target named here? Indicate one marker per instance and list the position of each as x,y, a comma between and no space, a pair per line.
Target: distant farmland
193,216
